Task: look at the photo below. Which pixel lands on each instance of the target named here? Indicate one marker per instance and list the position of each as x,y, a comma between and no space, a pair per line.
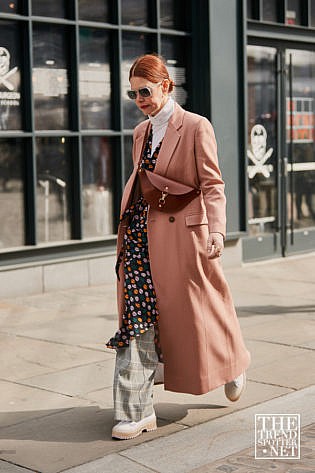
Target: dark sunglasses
144,92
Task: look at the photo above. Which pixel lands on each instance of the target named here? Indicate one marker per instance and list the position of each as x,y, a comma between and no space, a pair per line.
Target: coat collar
170,140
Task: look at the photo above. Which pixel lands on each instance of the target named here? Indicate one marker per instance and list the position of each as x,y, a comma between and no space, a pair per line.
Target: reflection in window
99,11
53,188
174,14
11,193
134,12
95,86
50,77
262,139
10,76
175,51
313,13
9,6
270,12
293,12
49,8
134,44
97,186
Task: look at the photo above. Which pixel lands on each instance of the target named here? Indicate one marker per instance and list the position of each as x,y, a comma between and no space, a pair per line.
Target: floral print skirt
140,299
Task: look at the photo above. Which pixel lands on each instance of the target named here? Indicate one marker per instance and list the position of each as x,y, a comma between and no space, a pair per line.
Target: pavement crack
32,386
273,384
21,466
301,347
136,462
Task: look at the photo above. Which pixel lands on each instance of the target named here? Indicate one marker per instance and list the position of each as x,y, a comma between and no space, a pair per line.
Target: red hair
151,67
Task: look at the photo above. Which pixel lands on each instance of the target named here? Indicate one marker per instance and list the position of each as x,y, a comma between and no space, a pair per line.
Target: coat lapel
138,145
170,140
137,148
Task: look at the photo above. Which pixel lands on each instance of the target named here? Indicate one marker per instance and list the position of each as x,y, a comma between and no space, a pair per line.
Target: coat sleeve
209,174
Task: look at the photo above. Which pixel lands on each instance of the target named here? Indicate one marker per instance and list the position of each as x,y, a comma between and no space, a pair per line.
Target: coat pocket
196,219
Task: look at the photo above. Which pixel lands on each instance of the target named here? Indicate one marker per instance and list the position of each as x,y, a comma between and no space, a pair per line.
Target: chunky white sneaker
234,389
126,430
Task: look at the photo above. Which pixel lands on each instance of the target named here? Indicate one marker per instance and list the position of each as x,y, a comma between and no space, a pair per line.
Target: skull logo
4,61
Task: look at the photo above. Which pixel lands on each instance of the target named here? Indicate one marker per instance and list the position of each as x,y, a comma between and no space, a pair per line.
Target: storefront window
134,12
53,188
55,8
174,14
11,193
10,77
97,186
270,10
8,6
99,12
262,139
293,12
95,80
50,77
175,51
134,44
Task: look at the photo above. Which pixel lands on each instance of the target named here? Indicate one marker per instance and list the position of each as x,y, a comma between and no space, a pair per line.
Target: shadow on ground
80,424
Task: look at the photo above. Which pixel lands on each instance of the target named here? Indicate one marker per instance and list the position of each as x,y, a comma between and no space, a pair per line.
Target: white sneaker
126,430
234,389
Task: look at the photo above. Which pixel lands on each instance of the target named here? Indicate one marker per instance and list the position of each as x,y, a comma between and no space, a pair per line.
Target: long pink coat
200,334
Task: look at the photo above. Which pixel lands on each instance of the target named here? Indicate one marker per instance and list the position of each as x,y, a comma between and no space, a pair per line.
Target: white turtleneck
160,121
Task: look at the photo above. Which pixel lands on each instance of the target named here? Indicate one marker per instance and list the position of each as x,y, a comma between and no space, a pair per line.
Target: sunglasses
144,92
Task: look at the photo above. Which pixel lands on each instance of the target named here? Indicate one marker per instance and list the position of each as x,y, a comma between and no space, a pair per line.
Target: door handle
285,165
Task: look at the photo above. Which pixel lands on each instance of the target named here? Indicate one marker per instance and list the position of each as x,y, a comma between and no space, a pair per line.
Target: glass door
262,154
280,152
300,144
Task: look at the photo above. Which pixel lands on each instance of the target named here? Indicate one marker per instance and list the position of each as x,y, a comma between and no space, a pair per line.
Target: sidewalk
56,376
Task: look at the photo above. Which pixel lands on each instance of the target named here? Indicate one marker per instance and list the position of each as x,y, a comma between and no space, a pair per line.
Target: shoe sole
241,392
131,435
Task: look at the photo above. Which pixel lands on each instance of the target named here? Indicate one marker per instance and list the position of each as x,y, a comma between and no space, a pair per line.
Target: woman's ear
165,86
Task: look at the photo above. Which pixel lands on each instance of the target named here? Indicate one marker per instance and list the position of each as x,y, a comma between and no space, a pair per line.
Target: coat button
172,219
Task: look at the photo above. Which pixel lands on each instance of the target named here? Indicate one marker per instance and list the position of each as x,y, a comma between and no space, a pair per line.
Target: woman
174,303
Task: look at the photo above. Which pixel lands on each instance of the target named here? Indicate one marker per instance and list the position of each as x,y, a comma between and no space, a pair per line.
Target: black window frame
75,132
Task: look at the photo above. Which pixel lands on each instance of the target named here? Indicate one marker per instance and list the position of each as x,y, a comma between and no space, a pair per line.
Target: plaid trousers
134,378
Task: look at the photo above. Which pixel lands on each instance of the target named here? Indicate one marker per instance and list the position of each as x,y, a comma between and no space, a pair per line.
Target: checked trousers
134,378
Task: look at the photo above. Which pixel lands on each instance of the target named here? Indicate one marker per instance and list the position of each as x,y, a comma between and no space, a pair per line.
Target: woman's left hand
215,245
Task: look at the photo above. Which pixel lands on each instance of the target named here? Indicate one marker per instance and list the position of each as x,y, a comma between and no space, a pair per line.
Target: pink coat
200,335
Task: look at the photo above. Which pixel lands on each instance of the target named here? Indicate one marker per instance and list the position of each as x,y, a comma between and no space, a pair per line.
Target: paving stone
20,403
84,331
113,464
289,331
78,380
31,357
293,372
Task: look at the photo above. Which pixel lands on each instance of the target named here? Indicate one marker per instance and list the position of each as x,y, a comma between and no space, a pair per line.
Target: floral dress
140,299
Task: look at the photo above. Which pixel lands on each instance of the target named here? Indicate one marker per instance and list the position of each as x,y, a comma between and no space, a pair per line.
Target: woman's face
153,104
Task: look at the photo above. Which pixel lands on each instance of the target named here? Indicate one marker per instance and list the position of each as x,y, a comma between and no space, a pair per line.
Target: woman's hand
215,245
